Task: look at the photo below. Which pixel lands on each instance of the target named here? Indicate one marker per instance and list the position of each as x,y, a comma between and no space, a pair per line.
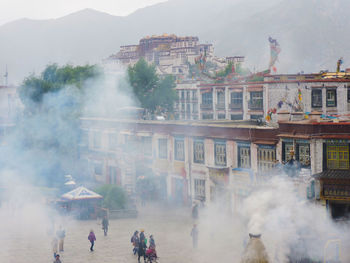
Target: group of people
139,243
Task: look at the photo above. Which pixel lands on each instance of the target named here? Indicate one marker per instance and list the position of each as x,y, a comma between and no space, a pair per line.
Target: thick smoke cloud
40,150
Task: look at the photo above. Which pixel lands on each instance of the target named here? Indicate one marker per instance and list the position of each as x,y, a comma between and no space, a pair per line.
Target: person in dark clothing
135,241
142,234
92,239
57,259
105,224
142,250
195,211
152,243
194,234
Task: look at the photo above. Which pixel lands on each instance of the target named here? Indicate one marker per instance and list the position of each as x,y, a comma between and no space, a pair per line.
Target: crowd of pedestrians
139,242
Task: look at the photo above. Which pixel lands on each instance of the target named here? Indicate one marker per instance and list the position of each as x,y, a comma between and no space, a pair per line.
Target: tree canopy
53,79
153,92
114,197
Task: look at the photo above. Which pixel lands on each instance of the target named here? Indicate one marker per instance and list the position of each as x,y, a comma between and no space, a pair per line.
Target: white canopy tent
81,193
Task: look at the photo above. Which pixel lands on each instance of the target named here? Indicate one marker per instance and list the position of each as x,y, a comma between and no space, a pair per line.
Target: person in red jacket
92,239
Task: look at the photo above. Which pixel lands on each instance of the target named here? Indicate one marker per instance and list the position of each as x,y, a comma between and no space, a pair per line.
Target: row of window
188,95
337,156
255,102
256,99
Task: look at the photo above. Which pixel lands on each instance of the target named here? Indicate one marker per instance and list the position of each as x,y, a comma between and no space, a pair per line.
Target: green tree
152,91
51,80
114,197
49,133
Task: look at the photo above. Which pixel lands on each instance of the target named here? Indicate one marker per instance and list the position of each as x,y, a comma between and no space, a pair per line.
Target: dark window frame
256,100
207,98
316,98
239,163
236,100
333,102
178,141
217,150
195,154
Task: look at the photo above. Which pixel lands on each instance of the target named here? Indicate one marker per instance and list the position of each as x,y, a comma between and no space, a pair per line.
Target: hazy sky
42,9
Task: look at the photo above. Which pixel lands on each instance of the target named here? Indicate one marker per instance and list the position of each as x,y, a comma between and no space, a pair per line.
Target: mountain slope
312,33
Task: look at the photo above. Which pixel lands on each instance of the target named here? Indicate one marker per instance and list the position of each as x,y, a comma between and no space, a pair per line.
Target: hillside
312,33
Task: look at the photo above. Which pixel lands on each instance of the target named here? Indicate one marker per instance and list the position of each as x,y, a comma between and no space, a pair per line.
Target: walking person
194,234
142,234
54,244
57,259
105,224
92,239
135,241
61,234
142,250
195,212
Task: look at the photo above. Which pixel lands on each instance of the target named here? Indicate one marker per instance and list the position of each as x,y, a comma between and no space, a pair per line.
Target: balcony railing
236,106
206,106
256,104
220,106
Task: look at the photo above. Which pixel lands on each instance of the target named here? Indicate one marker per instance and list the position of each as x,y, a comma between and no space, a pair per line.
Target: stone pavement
170,227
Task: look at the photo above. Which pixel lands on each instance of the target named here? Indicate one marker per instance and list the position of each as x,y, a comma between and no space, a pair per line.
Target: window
199,189
287,149
98,168
303,154
221,98
207,116
188,108
338,157
97,140
194,108
256,100
198,151
220,153
207,98
179,149
236,100
236,117
112,172
331,98
163,148
244,156
112,141
316,98
183,95
188,95
194,95
256,117
221,116
266,158
348,94
147,146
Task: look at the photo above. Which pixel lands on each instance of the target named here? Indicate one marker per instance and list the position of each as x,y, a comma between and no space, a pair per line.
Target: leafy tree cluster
114,197
48,135
53,79
224,73
153,92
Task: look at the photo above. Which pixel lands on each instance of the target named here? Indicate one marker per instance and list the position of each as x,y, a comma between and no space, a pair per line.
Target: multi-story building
196,161
247,99
323,148
171,54
221,160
